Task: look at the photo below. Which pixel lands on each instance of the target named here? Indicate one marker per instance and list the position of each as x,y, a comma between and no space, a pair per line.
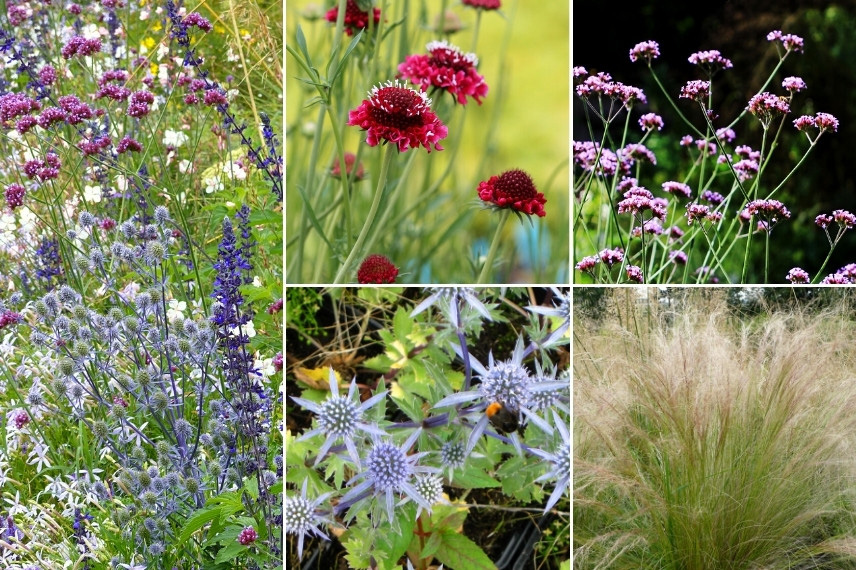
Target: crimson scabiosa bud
377,269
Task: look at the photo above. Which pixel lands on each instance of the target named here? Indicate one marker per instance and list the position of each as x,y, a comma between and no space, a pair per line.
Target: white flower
174,138
92,193
176,309
212,184
235,171
163,49
247,329
38,457
256,281
130,291
185,166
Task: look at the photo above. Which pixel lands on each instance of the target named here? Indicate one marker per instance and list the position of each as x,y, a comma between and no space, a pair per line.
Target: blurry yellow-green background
523,121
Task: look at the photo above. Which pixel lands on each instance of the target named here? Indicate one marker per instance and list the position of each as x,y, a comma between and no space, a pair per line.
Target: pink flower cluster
651,121
248,536
765,106
9,318
645,50
14,195
789,41
195,19
821,121
770,211
14,105
697,90
710,60
139,105
46,169
638,199
702,212
78,45
677,188
601,84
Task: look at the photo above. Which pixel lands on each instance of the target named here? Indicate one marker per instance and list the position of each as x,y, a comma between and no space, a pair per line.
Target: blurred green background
523,52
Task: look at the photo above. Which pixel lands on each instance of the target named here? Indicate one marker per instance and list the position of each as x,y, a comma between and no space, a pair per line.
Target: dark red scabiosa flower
401,115
350,159
9,318
376,269
15,196
107,224
448,68
275,307
482,4
355,19
513,189
247,536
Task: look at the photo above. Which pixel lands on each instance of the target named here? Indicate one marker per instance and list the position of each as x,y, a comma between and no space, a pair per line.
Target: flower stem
384,169
494,246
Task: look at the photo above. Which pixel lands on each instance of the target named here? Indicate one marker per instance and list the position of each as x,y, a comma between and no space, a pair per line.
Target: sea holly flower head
355,18
506,382
400,115
452,302
389,473
302,517
340,417
560,461
515,190
377,269
447,68
645,50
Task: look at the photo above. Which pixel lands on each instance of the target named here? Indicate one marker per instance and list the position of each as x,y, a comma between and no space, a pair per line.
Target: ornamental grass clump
718,215
703,441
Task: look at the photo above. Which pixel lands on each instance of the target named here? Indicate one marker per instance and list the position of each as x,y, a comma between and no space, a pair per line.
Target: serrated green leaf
196,522
474,478
396,542
402,324
230,552
457,552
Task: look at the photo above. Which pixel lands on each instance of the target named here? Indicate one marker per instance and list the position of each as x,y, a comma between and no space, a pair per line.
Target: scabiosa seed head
377,269
400,115
513,189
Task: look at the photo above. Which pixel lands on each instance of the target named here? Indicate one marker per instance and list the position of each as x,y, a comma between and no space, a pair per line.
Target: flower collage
427,284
